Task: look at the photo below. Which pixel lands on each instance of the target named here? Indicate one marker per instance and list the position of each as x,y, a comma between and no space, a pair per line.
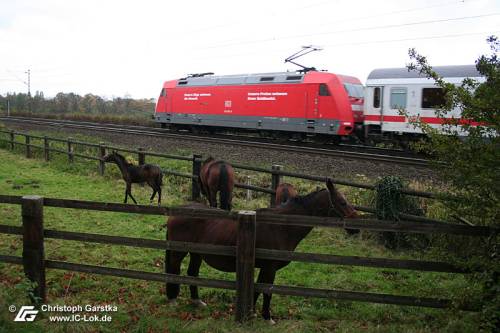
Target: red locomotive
310,103
296,104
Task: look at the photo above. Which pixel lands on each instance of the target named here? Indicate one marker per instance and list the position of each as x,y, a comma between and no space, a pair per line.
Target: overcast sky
128,48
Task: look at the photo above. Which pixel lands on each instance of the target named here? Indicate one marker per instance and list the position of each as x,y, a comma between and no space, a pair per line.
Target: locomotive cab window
354,90
163,92
433,98
376,97
323,90
267,78
398,98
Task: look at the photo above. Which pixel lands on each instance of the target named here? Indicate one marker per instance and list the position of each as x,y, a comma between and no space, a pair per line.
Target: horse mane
121,157
305,200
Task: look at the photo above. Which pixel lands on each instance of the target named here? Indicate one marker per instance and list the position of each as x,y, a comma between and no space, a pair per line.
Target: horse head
111,157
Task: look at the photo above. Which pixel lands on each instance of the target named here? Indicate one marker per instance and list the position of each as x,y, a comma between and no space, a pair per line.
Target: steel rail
145,131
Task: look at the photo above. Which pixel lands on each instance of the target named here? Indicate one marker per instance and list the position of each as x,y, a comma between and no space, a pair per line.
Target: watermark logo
66,313
26,313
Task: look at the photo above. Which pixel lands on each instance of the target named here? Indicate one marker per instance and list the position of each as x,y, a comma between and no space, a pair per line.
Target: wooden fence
275,171
35,264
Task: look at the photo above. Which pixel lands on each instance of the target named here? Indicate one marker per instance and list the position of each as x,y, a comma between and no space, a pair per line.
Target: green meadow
142,306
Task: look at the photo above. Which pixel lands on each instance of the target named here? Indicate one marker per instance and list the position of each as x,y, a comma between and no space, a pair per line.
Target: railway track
373,154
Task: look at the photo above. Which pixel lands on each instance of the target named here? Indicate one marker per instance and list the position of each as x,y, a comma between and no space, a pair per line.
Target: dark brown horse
217,176
327,202
148,173
284,192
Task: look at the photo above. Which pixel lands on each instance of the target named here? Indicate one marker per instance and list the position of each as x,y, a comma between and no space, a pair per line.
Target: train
308,104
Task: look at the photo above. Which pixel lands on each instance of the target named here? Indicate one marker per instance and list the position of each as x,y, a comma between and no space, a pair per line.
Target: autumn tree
467,155
467,149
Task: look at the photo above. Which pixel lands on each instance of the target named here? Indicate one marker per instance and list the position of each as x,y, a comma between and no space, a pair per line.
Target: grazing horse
217,176
326,202
285,192
148,173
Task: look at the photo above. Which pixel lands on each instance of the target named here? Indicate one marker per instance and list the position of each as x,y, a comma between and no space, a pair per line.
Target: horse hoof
172,302
271,322
198,303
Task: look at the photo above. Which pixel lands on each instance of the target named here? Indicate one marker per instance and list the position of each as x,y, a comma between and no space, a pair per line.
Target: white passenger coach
390,89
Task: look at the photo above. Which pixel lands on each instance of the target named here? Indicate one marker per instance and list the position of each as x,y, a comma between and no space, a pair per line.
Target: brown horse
148,173
217,176
284,192
327,202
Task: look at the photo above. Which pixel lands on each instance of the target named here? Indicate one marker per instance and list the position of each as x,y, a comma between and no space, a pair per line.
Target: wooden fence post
141,156
46,151
70,150
195,187
28,146
102,153
33,252
12,140
245,264
275,181
249,192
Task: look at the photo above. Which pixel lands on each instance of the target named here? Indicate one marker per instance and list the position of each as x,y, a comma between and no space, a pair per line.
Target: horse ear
329,185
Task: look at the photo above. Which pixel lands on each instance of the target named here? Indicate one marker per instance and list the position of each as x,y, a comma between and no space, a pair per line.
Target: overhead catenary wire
484,33
388,26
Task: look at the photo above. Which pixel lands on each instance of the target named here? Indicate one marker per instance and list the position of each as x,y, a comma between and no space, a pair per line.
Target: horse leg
194,270
159,194
256,293
267,276
153,186
129,191
173,262
212,198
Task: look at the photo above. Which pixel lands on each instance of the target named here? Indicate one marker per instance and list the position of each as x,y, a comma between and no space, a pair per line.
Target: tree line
70,103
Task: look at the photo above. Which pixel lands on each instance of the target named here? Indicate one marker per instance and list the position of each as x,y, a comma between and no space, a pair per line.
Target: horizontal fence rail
272,171
35,264
265,217
259,287
279,255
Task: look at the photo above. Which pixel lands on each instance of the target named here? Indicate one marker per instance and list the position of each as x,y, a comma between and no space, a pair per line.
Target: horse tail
224,187
286,196
159,178
167,256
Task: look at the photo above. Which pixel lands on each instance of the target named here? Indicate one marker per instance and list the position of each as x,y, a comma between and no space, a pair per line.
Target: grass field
142,305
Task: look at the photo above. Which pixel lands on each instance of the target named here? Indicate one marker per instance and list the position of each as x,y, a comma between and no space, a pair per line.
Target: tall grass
142,306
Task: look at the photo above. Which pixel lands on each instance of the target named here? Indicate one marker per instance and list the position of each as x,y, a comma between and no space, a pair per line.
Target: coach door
378,105
374,109
322,104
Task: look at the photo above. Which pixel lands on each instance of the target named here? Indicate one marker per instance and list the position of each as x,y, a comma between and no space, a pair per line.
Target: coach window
433,98
376,97
323,90
398,98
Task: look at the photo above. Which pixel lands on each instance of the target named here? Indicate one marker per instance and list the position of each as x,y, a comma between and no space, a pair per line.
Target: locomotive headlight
347,123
